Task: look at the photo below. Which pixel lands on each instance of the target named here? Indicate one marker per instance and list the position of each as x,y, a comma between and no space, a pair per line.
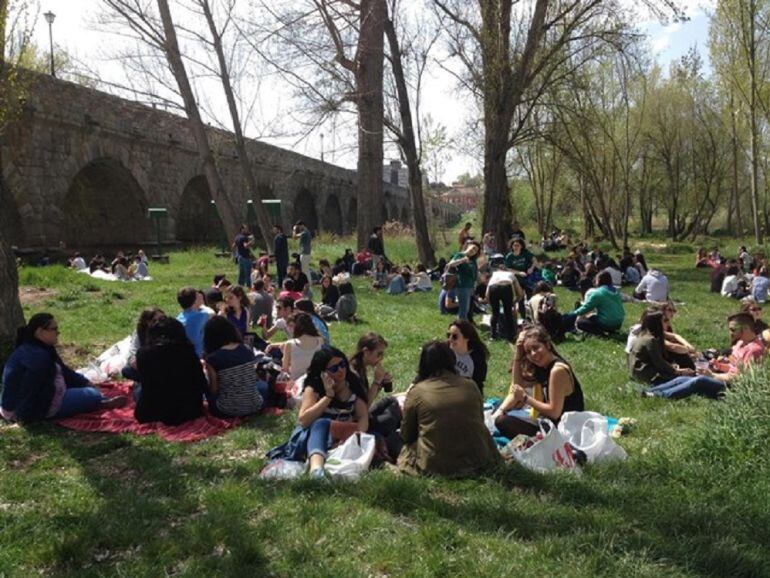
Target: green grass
691,500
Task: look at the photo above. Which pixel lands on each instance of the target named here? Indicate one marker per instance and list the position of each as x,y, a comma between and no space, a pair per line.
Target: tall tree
11,315
739,37
216,41
407,140
511,53
158,31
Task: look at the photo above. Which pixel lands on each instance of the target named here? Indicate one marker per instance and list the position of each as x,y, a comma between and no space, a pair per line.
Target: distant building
395,174
464,197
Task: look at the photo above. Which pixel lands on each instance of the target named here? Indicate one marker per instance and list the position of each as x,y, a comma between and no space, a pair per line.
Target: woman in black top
537,363
172,378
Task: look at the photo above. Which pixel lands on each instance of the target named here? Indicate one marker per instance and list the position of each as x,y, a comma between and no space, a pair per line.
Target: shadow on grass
149,514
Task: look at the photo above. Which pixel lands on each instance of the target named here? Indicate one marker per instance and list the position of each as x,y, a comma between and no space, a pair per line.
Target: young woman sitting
420,280
380,275
233,389
647,364
399,281
538,367
443,425
306,306
331,394
384,413
173,383
347,304
299,351
147,318
238,308
37,384
329,292
470,352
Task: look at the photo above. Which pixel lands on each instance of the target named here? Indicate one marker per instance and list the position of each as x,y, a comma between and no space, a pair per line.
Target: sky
75,30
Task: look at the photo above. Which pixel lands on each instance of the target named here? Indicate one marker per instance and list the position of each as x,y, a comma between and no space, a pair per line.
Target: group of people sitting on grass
123,267
240,350
739,277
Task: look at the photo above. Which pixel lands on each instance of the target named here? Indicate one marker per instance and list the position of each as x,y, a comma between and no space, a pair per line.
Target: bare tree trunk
408,144
369,85
735,204
265,226
223,203
754,128
11,315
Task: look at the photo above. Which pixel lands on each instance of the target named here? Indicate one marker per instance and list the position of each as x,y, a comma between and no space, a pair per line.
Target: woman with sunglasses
37,384
331,394
470,352
538,367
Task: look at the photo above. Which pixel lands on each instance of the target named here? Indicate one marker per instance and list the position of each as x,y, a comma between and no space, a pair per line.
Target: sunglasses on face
452,336
336,367
755,309
55,328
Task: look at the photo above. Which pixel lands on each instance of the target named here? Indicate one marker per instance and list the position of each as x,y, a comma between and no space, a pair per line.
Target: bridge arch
304,209
350,225
197,221
104,207
332,215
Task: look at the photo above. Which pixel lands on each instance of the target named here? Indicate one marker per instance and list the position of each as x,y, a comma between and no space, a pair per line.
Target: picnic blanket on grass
121,420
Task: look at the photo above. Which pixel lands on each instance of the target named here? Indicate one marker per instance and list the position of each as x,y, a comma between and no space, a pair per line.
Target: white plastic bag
282,470
550,453
588,431
351,458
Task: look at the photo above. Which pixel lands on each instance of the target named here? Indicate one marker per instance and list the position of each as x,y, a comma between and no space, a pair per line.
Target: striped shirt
236,372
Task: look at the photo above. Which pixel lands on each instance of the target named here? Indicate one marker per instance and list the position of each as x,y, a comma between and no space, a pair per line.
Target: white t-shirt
502,278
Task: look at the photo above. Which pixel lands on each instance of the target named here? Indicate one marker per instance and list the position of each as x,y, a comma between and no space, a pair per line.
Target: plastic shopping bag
550,452
282,469
351,458
588,431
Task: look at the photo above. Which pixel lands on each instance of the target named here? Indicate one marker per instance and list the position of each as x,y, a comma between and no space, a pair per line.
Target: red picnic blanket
121,420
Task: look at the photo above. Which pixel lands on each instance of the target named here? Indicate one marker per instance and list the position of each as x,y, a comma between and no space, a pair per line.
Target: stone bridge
83,167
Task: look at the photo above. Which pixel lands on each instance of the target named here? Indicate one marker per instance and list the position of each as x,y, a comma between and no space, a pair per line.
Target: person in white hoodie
652,287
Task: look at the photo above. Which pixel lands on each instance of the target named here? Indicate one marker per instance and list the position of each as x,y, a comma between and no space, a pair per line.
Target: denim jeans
244,272
79,400
464,295
319,440
686,386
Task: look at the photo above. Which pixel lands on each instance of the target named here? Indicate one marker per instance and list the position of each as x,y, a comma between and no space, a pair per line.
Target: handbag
351,459
551,451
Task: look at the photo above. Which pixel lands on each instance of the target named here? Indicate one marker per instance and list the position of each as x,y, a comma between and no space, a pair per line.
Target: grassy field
691,500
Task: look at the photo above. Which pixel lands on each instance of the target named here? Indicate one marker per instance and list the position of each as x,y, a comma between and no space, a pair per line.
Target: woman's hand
519,393
380,374
328,384
686,371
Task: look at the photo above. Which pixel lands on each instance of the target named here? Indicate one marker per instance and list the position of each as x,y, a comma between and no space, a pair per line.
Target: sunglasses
452,336
755,309
336,367
55,329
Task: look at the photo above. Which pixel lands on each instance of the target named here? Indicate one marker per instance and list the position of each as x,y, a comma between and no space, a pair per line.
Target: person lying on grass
331,394
37,384
539,368
233,388
443,425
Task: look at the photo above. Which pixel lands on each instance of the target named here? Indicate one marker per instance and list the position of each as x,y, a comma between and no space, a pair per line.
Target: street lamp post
49,17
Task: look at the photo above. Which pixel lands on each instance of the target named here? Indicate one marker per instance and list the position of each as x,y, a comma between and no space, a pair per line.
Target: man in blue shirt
191,317
302,233
242,243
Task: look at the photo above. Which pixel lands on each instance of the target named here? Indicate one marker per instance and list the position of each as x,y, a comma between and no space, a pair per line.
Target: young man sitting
191,317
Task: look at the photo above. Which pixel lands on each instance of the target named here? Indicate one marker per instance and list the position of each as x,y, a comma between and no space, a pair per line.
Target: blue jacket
28,380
